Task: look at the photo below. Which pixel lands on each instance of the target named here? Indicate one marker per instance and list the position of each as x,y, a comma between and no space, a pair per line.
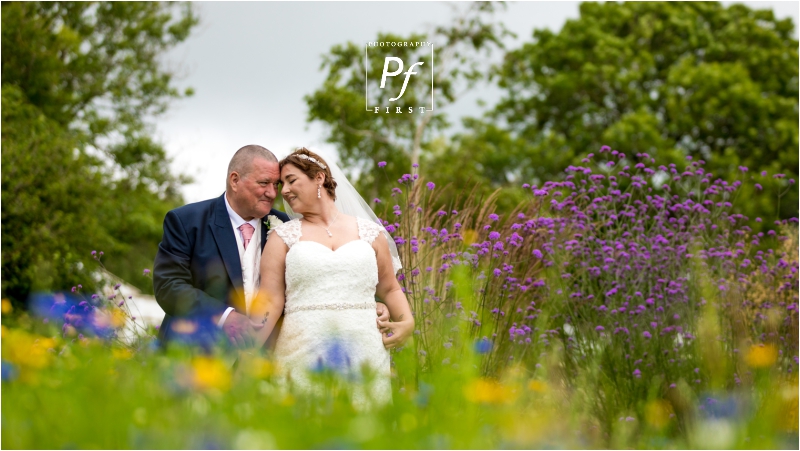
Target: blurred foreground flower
122,353
257,367
488,391
788,406
761,356
210,373
658,412
335,358
483,346
537,386
198,330
114,319
24,354
470,236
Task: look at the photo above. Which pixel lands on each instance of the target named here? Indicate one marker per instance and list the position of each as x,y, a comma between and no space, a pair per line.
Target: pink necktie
247,233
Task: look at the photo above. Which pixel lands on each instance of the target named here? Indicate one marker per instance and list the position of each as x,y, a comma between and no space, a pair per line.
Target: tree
81,171
363,138
668,78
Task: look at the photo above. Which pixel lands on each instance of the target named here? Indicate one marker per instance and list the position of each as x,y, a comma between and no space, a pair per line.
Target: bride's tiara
312,159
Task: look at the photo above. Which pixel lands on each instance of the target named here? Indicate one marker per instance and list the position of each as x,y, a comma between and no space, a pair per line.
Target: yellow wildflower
46,343
288,400
26,350
537,386
183,326
526,429
761,356
211,373
657,413
258,367
787,420
488,391
470,236
7,308
115,318
121,353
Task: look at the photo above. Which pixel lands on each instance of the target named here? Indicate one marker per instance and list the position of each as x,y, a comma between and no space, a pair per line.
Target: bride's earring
319,194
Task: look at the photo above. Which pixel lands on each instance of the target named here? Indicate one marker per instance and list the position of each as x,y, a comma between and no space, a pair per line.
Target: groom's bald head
252,184
242,161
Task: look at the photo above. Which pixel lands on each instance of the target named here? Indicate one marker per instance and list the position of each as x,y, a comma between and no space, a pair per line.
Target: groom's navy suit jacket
197,271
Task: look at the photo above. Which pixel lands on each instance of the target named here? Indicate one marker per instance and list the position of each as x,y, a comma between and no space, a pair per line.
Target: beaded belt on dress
331,306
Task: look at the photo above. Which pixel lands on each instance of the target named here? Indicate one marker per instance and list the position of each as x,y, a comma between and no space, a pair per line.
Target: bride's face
299,191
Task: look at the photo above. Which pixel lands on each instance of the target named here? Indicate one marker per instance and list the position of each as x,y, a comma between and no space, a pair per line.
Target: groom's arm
172,276
382,312
388,289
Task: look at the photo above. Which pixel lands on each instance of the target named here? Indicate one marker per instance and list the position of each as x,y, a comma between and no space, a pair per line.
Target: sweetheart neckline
326,247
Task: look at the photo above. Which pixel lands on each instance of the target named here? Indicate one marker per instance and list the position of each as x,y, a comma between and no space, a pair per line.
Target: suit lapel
264,230
278,214
226,243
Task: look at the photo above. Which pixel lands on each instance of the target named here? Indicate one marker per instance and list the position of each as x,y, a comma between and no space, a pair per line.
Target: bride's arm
388,289
270,299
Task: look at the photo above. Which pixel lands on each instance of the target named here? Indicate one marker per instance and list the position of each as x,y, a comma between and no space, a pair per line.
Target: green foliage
666,78
50,201
79,82
483,161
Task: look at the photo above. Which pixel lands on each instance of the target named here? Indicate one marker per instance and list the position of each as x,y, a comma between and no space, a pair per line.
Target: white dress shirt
250,258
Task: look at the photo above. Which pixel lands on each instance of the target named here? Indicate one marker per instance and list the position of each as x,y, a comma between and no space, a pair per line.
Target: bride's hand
400,330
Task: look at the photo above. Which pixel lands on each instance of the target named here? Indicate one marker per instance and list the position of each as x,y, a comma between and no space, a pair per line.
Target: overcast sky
251,63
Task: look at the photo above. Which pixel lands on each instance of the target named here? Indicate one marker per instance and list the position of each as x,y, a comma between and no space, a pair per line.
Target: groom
208,260
207,265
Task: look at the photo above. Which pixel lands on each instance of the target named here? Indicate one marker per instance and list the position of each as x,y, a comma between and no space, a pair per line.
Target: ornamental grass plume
434,241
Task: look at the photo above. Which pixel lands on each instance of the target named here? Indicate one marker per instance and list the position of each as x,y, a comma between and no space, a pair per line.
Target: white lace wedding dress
329,314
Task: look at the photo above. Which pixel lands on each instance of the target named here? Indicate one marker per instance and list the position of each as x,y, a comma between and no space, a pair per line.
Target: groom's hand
240,330
383,315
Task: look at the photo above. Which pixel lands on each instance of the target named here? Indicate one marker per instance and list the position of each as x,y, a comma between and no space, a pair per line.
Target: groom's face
254,192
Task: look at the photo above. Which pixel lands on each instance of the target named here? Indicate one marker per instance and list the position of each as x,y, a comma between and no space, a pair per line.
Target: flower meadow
625,305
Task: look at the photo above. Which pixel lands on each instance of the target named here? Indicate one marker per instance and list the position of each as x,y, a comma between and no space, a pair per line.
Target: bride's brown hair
311,168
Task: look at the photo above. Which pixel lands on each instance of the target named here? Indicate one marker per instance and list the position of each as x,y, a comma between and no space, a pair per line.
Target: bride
322,275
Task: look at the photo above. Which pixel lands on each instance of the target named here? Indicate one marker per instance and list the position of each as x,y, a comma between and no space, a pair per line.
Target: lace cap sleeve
290,232
367,231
